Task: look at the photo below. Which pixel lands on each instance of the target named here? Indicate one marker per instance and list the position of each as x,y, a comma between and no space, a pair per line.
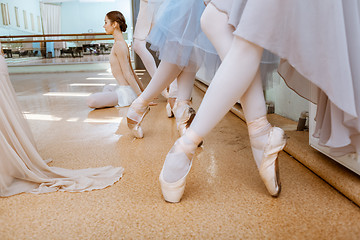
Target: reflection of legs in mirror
145,55
106,98
147,59
230,83
165,74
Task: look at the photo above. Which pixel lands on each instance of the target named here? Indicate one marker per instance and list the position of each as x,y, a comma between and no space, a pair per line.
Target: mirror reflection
34,32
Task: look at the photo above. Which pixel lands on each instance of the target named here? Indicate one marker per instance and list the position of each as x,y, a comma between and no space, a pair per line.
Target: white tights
238,77
106,98
145,55
164,76
150,65
214,24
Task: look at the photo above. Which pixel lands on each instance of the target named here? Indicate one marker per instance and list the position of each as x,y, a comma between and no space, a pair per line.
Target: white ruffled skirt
177,36
126,95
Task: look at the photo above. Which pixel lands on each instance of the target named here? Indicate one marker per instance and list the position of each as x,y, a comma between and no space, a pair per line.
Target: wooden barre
54,35
57,40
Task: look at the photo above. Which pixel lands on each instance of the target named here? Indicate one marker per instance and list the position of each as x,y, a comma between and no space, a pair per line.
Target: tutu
177,36
126,95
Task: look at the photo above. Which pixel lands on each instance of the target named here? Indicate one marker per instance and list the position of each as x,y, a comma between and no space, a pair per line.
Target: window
8,13
25,20
17,17
32,22
5,14
39,23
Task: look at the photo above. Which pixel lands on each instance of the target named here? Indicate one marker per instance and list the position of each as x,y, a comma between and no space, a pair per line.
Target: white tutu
126,95
177,36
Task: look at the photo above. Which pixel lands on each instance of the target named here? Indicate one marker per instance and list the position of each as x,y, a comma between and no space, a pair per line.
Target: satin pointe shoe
184,115
269,167
169,107
135,115
172,192
181,152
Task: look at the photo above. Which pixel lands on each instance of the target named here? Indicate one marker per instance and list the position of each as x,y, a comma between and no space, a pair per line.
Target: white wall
287,103
30,6
85,17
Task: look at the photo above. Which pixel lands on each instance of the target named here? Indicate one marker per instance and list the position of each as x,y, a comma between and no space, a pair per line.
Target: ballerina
129,85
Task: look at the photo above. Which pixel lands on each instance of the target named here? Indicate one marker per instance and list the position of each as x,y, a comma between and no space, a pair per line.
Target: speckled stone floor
224,197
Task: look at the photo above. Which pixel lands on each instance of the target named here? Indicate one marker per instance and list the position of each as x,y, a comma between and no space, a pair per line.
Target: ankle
192,136
180,107
140,103
259,127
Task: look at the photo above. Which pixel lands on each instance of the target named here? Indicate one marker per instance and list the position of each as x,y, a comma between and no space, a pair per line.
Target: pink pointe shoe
182,151
269,167
173,192
184,115
136,113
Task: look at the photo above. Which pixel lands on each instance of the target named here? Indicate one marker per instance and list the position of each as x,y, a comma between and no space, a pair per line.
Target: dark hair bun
116,16
123,26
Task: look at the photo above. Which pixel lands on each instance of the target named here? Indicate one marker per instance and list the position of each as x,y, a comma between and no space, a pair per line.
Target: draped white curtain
51,18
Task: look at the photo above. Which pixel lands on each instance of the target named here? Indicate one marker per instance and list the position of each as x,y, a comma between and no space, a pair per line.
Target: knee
91,101
139,45
109,88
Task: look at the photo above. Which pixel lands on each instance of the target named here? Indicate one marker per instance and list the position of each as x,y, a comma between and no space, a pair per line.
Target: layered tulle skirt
177,36
126,95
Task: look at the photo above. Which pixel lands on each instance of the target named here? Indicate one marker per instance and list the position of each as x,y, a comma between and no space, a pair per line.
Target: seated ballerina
129,86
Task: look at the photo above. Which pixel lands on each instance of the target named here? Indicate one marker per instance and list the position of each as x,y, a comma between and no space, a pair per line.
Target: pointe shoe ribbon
184,115
135,116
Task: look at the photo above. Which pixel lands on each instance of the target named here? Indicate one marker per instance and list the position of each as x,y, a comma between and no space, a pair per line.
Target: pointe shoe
170,106
184,115
269,167
172,192
135,116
